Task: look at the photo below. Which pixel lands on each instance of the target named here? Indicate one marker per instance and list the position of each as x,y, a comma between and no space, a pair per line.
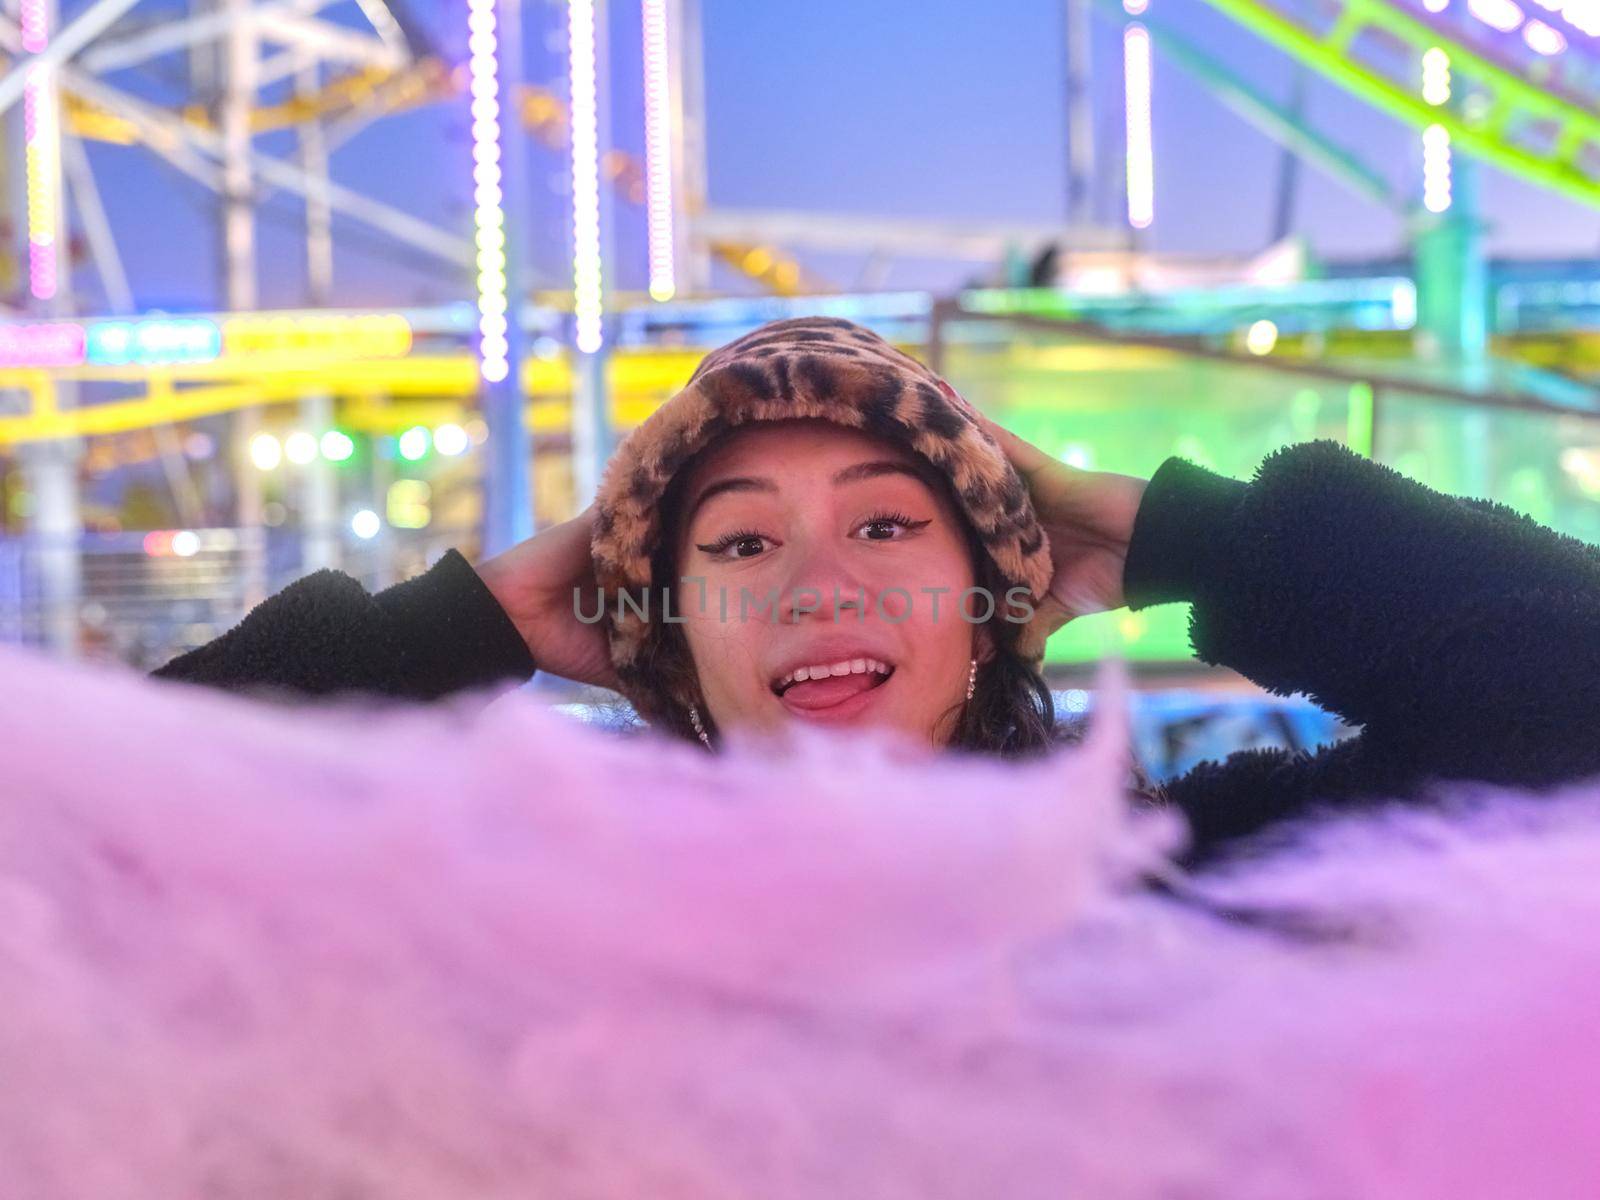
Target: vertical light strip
1141,148
41,154
489,216
34,20
658,150
586,298
1436,138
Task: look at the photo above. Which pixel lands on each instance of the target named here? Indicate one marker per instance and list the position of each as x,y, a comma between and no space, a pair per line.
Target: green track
1547,139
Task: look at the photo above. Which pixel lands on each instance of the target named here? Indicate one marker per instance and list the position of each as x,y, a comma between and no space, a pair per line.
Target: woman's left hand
1088,517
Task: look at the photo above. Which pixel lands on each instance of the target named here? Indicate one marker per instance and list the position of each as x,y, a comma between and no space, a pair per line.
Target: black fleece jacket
1462,638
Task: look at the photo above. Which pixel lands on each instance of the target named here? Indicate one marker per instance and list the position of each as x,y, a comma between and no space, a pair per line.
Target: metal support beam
119,296
96,225
55,524
93,21
117,54
591,434
1284,126
327,40
157,129
157,124
508,515
686,72
319,487
1080,113
237,258
972,241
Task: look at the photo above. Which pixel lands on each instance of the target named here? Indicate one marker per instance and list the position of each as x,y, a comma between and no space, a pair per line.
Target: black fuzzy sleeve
1463,638
423,639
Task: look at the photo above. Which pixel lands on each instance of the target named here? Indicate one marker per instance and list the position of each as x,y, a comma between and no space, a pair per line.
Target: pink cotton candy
485,953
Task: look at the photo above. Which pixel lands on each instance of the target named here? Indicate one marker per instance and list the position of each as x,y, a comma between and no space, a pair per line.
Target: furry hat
818,367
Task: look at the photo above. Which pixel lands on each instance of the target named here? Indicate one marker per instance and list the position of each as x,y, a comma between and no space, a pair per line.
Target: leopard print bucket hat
818,367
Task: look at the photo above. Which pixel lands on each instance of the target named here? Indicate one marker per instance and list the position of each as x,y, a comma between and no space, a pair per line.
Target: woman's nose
821,585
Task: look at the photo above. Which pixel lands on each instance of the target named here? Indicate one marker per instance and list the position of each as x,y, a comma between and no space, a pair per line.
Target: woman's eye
888,527
735,545
747,547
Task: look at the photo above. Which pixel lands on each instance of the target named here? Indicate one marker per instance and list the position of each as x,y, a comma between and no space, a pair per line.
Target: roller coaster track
1371,49
426,81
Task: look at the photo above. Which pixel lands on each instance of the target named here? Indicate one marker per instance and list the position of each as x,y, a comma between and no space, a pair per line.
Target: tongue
823,693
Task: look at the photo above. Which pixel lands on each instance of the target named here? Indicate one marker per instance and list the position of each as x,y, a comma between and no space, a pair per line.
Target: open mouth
825,685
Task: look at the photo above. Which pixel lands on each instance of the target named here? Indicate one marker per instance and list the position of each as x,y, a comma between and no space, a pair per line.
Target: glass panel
1110,404
1544,465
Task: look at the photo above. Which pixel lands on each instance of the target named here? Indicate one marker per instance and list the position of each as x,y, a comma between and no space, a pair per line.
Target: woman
817,528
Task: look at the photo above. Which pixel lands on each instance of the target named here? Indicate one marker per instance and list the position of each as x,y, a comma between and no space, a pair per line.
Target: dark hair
1011,713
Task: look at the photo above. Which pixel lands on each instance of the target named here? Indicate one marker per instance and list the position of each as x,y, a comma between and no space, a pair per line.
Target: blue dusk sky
920,108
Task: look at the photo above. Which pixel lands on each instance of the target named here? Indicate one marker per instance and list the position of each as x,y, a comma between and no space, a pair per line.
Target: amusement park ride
370,440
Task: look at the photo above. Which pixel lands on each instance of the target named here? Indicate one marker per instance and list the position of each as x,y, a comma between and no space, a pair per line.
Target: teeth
849,666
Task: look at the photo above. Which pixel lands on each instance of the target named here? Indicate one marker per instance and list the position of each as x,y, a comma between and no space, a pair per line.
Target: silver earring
972,679
699,729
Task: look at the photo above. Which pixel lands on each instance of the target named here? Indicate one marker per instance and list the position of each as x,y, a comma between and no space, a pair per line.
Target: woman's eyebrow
873,469
734,483
851,474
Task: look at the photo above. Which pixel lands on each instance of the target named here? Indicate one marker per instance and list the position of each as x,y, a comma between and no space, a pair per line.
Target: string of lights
658,151
587,301
41,153
1136,73
489,217
1436,153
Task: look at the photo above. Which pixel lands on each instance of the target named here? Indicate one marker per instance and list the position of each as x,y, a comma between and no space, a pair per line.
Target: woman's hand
536,582
1088,517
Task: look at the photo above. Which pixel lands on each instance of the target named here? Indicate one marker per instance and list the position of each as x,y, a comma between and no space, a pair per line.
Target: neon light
1141,151
158,340
1543,39
300,448
366,524
406,504
1436,76
1583,15
337,446
489,217
41,153
41,158
56,344
414,443
1261,337
587,301
376,335
451,440
658,151
1436,6
266,452
1503,15
1404,304
34,20
1436,168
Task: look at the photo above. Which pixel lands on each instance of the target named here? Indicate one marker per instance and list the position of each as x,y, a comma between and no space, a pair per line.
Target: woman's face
814,549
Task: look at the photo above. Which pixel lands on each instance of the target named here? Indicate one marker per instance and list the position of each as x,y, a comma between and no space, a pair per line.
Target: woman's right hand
538,582
1088,517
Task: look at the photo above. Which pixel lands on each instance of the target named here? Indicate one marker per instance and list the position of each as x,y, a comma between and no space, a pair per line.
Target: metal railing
141,601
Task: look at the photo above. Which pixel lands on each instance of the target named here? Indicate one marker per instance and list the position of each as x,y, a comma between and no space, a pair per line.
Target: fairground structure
160,472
